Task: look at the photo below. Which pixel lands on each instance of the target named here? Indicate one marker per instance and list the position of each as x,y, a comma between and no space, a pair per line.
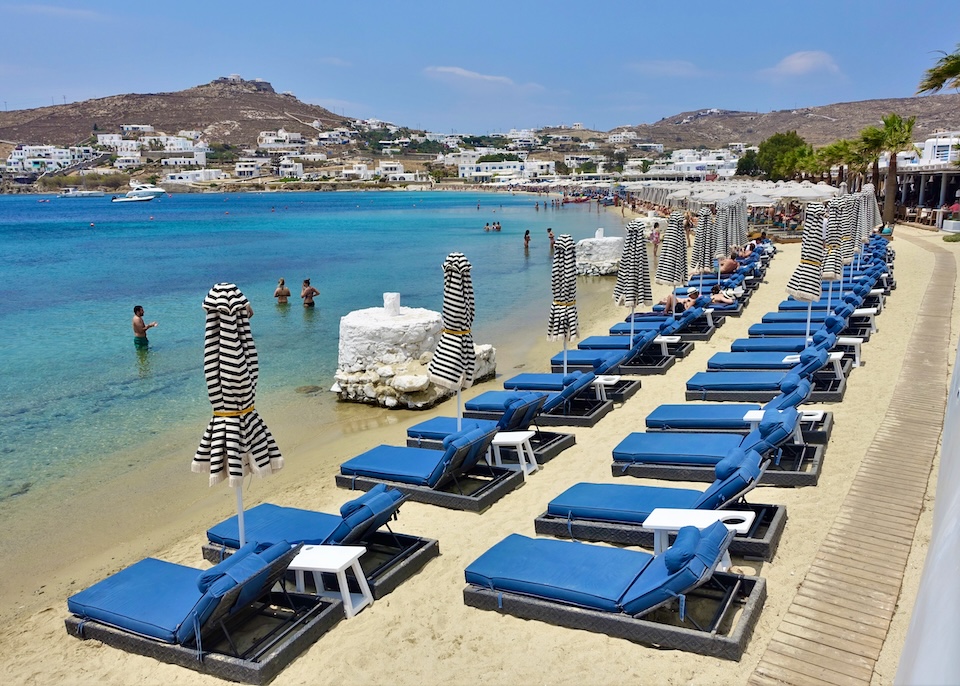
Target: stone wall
384,352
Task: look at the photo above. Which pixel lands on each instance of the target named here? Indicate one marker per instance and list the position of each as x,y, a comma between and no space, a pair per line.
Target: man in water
140,328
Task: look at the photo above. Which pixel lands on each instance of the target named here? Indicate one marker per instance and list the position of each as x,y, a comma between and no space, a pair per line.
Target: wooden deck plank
839,660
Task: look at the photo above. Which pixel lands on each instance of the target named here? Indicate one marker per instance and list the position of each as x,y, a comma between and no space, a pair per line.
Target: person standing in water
140,328
526,238
551,237
282,293
307,293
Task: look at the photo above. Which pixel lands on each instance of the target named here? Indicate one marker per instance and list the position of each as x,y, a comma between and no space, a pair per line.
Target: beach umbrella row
236,441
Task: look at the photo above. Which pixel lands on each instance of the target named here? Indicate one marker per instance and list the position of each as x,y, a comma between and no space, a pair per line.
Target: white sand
423,633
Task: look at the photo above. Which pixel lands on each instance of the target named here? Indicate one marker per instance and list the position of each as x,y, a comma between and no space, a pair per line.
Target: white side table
664,520
601,382
334,559
519,441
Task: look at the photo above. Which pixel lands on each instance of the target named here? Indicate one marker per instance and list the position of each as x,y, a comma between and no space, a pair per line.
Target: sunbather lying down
672,303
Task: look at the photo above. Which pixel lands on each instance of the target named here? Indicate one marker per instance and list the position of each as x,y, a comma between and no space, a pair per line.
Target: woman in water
282,293
307,293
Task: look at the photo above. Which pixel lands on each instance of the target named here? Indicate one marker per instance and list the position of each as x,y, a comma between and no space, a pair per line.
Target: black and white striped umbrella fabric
873,209
848,226
672,267
833,258
237,441
701,257
563,323
633,274
453,363
805,282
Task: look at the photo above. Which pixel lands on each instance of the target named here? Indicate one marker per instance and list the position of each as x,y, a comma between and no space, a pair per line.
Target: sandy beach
422,633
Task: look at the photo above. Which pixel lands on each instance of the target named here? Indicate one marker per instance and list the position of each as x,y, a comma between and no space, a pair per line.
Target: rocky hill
226,110
816,125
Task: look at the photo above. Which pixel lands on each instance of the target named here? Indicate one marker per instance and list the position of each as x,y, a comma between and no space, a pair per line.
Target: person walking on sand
307,293
282,293
140,328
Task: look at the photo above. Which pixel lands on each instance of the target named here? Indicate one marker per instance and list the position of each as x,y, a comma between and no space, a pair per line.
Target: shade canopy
454,361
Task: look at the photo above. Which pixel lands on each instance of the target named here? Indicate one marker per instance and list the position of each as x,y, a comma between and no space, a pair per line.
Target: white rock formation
599,256
383,356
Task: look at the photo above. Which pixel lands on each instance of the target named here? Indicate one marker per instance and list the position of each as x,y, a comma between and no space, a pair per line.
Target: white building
527,169
43,158
393,171
250,167
618,137
358,171
198,159
281,140
128,161
194,176
290,169
650,147
136,128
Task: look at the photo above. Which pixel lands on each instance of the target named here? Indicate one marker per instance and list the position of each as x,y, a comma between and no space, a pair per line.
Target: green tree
561,167
835,154
871,147
944,74
779,155
747,165
619,160
897,138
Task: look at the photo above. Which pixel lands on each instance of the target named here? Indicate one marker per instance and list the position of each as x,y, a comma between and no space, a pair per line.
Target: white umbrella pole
459,411
809,315
829,296
240,526
564,354
633,308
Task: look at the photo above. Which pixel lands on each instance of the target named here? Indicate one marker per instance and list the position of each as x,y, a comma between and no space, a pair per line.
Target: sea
76,391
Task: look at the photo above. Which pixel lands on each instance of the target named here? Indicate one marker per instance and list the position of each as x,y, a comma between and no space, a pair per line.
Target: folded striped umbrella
672,267
833,236
453,363
804,283
563,287
848,226
237,441
701,256
633,274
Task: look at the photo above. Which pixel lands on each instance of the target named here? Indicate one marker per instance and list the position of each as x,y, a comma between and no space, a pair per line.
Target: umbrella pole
829,296
459,411
633,308
565,354
240,526
809,315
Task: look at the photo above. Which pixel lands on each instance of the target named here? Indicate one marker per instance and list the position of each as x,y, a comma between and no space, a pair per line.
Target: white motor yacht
144,190
74,192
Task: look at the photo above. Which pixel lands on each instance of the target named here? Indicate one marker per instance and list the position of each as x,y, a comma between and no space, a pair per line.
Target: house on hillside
281,140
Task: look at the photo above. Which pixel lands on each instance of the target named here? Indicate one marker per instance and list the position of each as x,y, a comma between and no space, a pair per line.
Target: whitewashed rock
599,256
383,358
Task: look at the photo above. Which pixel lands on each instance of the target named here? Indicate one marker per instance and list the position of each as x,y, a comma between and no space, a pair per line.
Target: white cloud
679,69
54,11
803,63
459,75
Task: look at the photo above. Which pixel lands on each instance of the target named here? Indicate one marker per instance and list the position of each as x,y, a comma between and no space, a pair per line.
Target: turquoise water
71,271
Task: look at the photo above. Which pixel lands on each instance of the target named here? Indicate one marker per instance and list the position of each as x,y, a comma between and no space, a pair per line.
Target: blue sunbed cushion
618,502
730,464
417,466
209,576
438,428
790,383
683,549
722,490
834,324
269,523
734,381
704,417
657,584
675,448
366,514
492,401
793,397
584,575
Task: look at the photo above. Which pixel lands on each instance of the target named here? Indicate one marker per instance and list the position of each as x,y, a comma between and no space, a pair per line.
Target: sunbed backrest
811,359
792,394
364,515
533,404
511,414
736,474
456,446
834,324
679,569
477,450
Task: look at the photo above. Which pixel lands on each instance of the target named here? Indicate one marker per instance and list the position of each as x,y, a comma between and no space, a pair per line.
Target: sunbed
576,405
390,557
850,346
652,353
855,316
452,477
829,381
225,621
741,418
693,456
848,329
766,361
693,324
614,513
624,593
616,389
520,412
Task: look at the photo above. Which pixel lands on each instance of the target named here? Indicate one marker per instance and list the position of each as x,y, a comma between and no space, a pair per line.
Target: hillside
226,111
816,125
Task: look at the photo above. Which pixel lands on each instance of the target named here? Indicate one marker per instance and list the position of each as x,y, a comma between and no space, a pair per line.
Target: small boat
74,192
135,198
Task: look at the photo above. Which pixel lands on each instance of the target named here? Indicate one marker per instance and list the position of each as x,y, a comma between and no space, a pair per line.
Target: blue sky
480,67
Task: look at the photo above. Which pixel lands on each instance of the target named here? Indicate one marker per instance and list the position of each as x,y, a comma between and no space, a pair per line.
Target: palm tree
897,138
871,146
944,74
836,153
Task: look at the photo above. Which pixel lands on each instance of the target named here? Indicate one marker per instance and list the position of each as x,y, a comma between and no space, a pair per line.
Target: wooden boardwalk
835,628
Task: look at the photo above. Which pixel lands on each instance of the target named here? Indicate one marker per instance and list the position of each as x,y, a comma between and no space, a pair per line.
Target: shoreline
426,613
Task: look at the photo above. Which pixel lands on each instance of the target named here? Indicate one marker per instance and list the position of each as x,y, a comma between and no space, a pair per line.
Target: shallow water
75,390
